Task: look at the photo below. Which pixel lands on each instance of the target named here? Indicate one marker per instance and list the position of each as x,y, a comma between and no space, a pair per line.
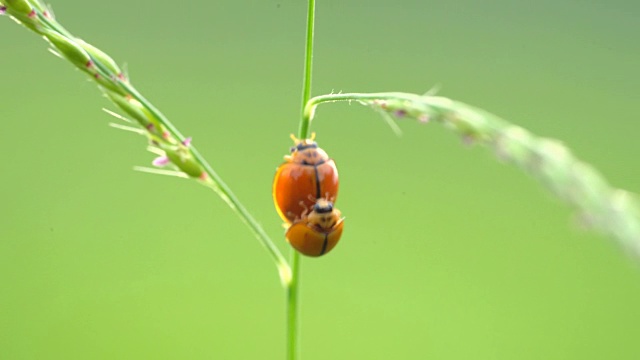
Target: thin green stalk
292,308
303,133
293,318
597,204
303,130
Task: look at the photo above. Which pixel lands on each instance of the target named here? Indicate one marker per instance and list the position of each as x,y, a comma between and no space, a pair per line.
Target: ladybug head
307,152
324,216
303,145
323,206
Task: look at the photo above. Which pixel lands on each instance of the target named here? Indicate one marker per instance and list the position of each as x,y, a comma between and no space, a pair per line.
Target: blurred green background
447,253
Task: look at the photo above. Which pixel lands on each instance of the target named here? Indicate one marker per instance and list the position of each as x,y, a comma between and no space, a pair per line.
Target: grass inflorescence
173,150
597,204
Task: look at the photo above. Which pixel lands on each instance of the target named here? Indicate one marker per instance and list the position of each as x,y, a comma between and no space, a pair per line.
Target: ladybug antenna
330,199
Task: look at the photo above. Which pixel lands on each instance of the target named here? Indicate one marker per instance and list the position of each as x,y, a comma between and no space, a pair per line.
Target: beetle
316,233
306,175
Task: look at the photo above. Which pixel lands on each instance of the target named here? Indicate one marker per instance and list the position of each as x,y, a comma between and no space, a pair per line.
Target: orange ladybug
306,175
316,233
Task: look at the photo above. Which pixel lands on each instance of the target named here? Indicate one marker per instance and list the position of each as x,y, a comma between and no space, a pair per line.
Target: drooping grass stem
34,15
597,204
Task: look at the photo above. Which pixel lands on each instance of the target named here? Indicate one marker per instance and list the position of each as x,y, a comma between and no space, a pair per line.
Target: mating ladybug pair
304,189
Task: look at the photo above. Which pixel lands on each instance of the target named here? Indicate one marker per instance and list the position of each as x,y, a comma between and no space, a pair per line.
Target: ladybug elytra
306,175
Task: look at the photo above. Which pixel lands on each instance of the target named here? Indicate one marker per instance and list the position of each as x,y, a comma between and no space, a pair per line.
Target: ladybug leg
306,211
292,215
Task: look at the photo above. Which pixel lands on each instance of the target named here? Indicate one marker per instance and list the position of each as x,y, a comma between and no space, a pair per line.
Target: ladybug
316,233
306,175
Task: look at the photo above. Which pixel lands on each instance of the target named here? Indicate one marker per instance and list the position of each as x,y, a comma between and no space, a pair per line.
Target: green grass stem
303,130
303,133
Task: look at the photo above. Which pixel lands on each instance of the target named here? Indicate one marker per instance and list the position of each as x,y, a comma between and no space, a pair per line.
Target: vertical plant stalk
303,130
292,307
293,289
177,150
597,204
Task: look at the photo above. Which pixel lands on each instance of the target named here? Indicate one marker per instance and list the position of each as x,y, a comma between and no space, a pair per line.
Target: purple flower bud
400,113
469,139
160,161
3,9
187,142
381,103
